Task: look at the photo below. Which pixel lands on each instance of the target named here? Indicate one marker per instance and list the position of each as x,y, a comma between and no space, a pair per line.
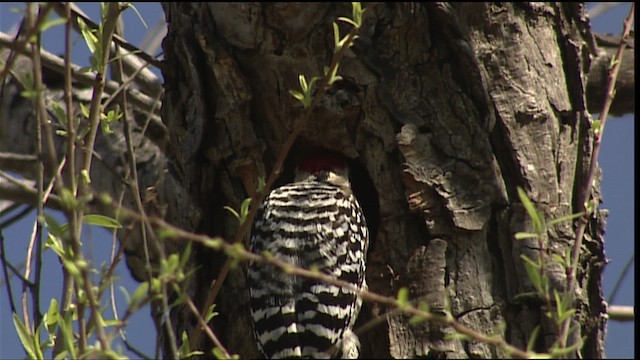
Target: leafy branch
584,194
237,252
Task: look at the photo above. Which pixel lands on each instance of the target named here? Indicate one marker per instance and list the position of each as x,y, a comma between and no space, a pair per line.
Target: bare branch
621,313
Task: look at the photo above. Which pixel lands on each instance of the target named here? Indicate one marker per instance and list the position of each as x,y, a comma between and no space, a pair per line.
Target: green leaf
84,110
562,306
533,271
298,95
457,336
558,353
565,218
85,176
525,235
139,295
532,338
51,23
101,220
348,21
336,38
52,316
67,335
334,77
538,224
109,118
89,35
213,243
540,356
303,83
54,227
155,286
139,16
184,347
112,322
25,337
416,319
210,313
36,343
125,293
244,210
54,243
218,353
72,269
29,94
232,211
357,13
59,114
526,296
186,255
170,265
403,297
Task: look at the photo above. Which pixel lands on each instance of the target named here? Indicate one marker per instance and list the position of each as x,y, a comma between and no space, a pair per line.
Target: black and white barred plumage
312,222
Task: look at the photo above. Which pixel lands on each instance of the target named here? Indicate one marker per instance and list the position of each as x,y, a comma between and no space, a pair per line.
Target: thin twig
205,327
623,273
16,272
242,254
3,257
145,227
57,64
585,193
20,215
20,42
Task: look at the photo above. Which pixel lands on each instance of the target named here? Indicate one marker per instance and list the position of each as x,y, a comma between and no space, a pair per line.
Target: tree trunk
448,107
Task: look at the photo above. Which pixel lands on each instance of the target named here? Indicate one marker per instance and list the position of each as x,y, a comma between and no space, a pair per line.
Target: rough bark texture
449,107
625,99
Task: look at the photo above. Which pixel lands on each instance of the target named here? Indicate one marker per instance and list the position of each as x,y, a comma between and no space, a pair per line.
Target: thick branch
625,99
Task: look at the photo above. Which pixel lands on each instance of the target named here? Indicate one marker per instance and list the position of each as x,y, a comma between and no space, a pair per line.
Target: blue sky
616,160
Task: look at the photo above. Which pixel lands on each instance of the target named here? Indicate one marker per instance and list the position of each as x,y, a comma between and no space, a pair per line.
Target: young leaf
525,235
25,337
54,243
533,271
403,297
54,227
101,220
66,329
565,218
139,295
88,34
51,23
210,313
336,38
85,176
36,343
532,338
538,224
218,353
52,316
244,210
456,336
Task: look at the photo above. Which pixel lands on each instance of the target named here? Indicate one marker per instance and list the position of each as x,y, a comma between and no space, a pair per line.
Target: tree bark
449,107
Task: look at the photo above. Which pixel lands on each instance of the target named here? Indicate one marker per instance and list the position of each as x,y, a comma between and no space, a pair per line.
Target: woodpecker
313,223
